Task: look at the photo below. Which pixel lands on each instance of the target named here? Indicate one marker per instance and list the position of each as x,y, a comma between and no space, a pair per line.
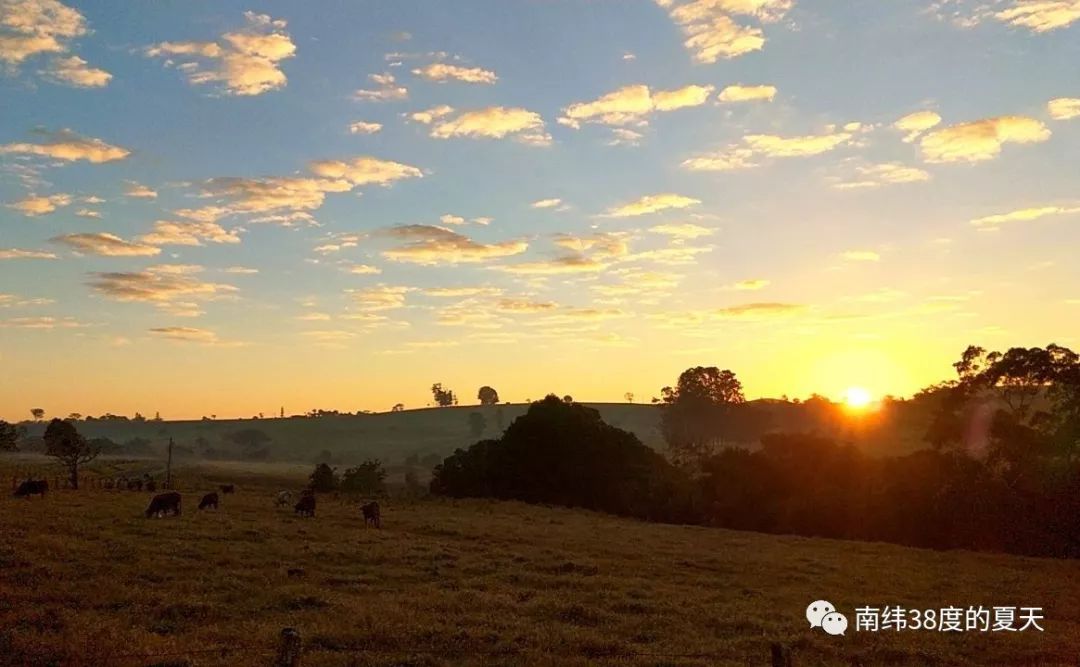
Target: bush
367,479
324,479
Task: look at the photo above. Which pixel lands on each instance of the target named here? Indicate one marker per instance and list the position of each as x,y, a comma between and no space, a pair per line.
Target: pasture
86,580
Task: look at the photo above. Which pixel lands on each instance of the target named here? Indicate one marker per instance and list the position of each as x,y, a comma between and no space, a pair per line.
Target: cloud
621,136
652,204
711,31
430,245
982,139
751,285
87,213
524,306
1040,15
602,245
17,253
876,175
380,297
758,311
740,93
158,285
429,116
365,170
68,146
240,270
13,301
632,105
139,191
34,205
30,28
186,335
1064,108
756,146
914,124
861,256
682,230
245,62
442,72
74,71
495,123
386,90
363,270
190,233
361,127
106,245
453,292
547,203
1025,215
557,266
41,323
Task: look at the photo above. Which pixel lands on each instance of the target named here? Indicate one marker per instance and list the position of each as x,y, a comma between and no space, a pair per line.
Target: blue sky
816,195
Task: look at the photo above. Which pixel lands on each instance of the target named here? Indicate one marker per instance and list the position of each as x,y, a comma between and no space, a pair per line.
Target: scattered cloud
41,323
556,266
554,202
67,146
430,245
495,123
31,28
380,297
711,31
35,205
106,245
158,285
245,62
757,311
87,213
17,253
1040,15
429,116
363,270
757,146
186,335
631,105
914,124
361,127
74,71
386,89
682,230
1064,108
621,136
740,93
1025,215
981,140
240,270
455,292
139,191
443,72
190,233
652,204
876,175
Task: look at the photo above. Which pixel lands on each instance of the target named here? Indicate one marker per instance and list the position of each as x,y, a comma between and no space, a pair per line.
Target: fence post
781,655
290,649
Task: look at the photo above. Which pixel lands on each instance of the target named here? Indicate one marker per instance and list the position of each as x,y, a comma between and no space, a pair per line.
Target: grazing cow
227,488
164,503
283,499
32,488
208,501
371,514
306,506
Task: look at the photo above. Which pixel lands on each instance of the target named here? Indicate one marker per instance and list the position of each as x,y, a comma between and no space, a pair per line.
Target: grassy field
86,580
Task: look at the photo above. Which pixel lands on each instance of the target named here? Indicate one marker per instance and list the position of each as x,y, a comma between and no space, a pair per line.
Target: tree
487,395
38,413
9,437
568,399
696,416
324,479
252,443
63,442
366,479
477,424
443,397
74,417
398,407
629,396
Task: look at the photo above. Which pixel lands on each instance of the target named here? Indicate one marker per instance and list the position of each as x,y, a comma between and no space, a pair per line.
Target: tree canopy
487,395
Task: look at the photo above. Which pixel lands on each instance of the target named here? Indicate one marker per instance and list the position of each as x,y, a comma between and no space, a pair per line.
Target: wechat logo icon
822,614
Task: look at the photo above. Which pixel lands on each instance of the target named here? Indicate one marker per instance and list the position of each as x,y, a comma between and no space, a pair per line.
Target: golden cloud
191,233
186,335
495,123
982,139
30,28
139,191
361,127
559,265
1025,215
770,146
106,245
682,230
1064,108
740,93
632,104
1041,15
430,245
652,204
68,146
914,124
16,253
247,62
156,285
386,89
757,311
711,32
74,71
442,72
547,203
429,116
380,297
34,205
888,173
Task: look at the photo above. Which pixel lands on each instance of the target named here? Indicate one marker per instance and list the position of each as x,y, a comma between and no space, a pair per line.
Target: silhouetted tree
398,407
697,412
629,396
477,424
443,397
9,437
368,478
568,399
63,443
487,395
74,416
38,413
324,479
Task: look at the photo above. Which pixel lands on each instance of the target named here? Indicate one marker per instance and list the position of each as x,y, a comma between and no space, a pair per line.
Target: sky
228,208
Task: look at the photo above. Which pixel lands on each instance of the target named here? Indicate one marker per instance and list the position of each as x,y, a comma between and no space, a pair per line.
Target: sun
857,397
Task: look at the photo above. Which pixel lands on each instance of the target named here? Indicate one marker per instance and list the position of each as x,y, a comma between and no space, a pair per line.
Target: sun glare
857,397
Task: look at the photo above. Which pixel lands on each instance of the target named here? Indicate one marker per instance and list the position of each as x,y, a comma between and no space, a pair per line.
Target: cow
283,499
371,514
306,506
32,488
227,488
164,503
208,501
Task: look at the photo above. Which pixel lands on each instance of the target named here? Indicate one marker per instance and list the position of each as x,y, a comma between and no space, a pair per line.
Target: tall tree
63,442
698,412
443,397
38,413
487,395
9,437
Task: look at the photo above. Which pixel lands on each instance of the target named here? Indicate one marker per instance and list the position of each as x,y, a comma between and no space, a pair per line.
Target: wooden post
781,655
168,468
290,648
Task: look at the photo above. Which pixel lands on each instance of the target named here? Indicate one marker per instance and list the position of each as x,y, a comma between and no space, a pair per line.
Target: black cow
164,503
371,515
228,488
306,506
32,488
208,501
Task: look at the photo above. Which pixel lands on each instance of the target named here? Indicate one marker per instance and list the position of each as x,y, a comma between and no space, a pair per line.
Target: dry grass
85,580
